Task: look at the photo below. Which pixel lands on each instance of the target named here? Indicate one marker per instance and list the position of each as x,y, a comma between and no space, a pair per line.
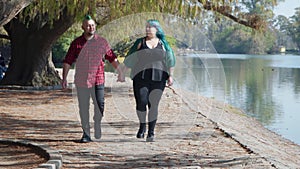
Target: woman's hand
170,81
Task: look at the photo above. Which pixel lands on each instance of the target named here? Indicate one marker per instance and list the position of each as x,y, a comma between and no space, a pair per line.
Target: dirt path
16,156
192,132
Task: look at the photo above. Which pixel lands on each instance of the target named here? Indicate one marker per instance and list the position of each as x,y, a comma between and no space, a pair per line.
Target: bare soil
17,156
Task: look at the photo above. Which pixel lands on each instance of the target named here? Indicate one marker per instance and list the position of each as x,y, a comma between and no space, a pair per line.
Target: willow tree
33,31
9,9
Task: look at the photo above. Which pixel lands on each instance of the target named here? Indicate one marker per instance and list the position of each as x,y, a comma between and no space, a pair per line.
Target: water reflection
254,81
265,87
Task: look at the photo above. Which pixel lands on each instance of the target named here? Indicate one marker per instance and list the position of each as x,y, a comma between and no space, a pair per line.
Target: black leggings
147,92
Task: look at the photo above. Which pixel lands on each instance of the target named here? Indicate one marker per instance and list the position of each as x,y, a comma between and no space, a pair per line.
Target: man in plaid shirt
89,52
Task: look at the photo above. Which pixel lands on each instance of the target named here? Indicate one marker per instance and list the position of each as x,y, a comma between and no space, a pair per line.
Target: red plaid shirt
89,56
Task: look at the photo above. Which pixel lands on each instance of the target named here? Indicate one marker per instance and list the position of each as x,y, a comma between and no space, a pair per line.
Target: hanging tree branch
9,9
251,20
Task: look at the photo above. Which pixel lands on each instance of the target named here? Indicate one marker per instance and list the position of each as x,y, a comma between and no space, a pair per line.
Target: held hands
121,77
121,73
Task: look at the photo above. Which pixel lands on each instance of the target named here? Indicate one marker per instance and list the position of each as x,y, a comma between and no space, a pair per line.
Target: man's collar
95,37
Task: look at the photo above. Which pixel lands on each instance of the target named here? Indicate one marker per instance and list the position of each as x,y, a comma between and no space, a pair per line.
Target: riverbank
192,131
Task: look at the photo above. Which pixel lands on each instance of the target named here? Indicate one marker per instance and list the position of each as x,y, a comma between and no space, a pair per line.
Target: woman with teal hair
151,61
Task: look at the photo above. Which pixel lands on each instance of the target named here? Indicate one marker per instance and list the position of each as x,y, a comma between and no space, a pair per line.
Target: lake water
266,87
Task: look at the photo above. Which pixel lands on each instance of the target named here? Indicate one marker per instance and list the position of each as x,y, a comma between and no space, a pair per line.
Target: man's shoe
85,139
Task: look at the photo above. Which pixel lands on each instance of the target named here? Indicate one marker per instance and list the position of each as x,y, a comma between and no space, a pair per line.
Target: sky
287,8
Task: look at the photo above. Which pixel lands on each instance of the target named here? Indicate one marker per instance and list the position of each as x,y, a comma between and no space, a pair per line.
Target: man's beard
91,33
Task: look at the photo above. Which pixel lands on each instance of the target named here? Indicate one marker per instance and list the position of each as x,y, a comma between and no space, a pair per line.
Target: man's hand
66,68
64,83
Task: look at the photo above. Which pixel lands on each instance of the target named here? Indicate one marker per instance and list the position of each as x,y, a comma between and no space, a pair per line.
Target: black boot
142,129
85,138
151,126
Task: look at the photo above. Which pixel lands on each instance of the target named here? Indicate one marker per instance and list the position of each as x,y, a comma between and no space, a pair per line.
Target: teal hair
160,33
170,59
87,17
131,59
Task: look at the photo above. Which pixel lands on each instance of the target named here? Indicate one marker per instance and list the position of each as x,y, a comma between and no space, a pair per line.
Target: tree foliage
9,9
229,37
288,29
43,22
240,11
294,29
61,46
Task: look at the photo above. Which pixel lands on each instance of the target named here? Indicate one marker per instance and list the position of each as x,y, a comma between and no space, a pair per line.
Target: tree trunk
9,9
31,63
